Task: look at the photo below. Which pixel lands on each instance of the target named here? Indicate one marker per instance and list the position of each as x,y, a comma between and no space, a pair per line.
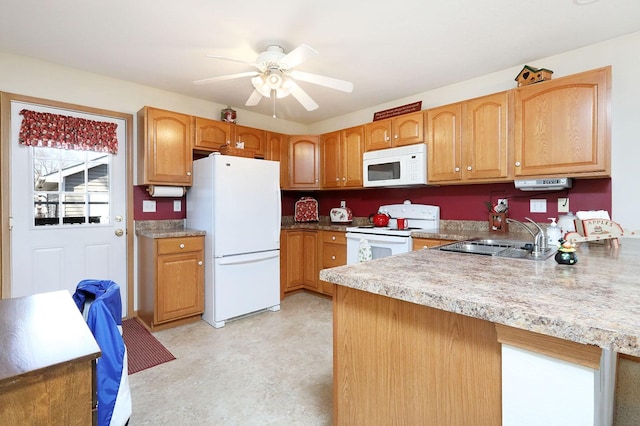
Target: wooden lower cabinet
420,243
332,252
401,363
298,266
171,280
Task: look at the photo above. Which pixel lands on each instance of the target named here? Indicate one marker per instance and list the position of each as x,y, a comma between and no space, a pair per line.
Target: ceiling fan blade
254,98
227,77
298,56
302,97
333,83
225,58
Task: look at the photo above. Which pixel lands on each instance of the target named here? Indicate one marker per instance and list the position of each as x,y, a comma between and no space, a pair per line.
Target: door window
70,187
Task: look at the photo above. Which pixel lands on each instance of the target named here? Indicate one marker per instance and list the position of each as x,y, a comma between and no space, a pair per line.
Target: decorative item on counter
341,214
566,223
379,219
306,210
498,217
566,254
529,75
228,115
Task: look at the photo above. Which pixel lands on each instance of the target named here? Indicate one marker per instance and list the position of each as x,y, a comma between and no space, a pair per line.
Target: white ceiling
388,49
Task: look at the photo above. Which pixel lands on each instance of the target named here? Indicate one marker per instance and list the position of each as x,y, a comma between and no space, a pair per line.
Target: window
70,187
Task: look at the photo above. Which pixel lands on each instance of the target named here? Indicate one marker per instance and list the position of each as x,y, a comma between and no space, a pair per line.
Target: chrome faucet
539,240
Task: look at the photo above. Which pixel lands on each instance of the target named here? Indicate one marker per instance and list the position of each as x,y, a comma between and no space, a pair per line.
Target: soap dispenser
553,233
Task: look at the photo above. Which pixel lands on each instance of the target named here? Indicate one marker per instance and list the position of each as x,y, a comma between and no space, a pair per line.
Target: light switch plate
149,206
538,206
177,205
563,205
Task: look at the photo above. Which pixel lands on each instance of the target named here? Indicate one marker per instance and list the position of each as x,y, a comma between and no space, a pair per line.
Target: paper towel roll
166,191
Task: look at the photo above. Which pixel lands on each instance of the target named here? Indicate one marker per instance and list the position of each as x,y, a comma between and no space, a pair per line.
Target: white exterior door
68,213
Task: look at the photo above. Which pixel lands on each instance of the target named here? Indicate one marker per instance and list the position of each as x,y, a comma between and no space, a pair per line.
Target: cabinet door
484,139
352,149
304,162
420,243
377,135
211,134
444,143
277,151
294,278
180,285
562,126
331,160
166,148
252,138
408,129
310,264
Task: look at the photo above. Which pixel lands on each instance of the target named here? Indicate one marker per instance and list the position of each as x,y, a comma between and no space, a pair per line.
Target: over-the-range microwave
401,166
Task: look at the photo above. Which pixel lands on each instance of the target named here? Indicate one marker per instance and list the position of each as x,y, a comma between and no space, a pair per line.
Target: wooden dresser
47,362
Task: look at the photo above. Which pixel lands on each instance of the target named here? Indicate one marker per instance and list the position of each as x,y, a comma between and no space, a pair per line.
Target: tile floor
265,369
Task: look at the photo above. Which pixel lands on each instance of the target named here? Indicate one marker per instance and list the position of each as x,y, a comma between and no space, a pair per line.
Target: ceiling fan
274,77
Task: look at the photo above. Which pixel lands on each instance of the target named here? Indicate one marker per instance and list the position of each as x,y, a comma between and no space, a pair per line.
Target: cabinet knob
517,164
199,262
457,169
182,245
344,178
333,258
395,136
188,173
316,180
469,168
333,238
337,179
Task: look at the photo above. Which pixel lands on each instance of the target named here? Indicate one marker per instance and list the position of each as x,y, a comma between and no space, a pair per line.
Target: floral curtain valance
61,131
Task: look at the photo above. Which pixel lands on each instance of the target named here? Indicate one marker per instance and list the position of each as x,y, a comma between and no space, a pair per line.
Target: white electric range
389,240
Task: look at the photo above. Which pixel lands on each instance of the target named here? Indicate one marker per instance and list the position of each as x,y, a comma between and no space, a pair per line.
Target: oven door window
383,171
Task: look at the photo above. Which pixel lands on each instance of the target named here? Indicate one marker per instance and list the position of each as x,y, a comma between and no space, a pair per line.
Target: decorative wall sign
394,112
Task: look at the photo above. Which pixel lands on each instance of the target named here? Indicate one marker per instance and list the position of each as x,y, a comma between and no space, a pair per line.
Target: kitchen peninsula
423,335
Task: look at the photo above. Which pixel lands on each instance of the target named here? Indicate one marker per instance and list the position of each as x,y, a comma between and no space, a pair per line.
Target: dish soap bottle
553,233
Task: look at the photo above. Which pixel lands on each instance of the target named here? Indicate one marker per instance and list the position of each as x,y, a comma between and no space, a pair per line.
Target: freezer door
244,284
247,206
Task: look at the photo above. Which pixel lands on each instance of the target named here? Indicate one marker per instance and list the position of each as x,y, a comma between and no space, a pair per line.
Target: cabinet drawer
333,255
178,245
334,237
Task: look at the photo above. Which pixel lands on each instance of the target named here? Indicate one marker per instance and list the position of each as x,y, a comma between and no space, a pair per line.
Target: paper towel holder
166,191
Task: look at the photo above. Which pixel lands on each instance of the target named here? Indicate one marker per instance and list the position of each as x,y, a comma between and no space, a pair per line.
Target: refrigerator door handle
248,258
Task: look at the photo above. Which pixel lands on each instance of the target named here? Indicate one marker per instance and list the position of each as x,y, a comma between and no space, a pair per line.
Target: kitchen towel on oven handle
306,210
364,251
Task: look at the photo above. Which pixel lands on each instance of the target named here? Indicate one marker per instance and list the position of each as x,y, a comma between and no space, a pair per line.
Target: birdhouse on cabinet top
530,75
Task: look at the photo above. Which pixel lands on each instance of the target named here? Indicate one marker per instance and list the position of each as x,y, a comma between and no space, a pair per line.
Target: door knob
119,232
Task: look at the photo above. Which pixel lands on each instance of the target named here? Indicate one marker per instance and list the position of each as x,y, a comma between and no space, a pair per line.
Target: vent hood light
547,184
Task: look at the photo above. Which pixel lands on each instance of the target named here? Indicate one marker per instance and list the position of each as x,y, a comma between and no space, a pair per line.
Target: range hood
546,184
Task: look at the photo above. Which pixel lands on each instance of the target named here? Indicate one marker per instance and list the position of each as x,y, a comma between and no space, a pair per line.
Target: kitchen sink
498,248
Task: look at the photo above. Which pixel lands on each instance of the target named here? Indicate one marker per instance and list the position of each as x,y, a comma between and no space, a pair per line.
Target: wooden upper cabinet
444,143
468,141
165,152
351,156
211,134
562,126
254,139
330,146
304,162
485,138
276,150
406,129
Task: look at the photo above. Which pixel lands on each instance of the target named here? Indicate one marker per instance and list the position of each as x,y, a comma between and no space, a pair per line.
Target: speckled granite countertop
596,301
165,229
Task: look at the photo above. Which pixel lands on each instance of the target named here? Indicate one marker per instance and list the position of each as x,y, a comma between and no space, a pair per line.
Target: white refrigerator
236,200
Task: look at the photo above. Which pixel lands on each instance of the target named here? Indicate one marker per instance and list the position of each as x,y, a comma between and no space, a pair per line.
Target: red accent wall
164,206
462,202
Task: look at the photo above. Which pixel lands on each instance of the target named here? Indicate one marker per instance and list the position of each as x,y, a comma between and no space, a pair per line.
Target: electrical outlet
538,206
563,205
177,205
148,206
503,201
